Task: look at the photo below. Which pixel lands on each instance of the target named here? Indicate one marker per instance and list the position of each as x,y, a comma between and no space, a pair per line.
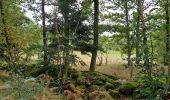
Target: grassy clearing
113,67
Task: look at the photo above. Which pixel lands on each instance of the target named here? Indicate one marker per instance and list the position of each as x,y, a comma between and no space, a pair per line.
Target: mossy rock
102,88
106,79
95,87
81,88
114,93
128,88
109,86
97,82
92,74
72,87
81,80
76,75
100,95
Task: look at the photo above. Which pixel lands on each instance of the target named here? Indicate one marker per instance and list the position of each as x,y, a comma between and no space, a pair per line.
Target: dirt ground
113,67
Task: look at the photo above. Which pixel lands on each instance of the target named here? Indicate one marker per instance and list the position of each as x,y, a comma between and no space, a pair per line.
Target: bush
20,88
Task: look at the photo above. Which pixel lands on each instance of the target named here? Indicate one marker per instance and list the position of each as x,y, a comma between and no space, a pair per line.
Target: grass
113,67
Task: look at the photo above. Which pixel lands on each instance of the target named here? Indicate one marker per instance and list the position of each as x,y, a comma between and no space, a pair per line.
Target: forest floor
115,65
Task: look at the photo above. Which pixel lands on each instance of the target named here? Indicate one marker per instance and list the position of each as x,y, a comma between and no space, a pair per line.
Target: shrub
21,88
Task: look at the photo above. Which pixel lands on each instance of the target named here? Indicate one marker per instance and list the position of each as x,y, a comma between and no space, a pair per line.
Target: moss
81,88
95,87
72,87
81,80
106,79
102,88
114,94
128,88
97,82
99,95
109,86
76,75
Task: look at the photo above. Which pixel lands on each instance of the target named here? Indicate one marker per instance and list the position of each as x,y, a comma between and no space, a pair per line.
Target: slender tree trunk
66,44
106,58
44,35
145,44
96,35
128,38
101,59
128,33
57,35
138,36
167,42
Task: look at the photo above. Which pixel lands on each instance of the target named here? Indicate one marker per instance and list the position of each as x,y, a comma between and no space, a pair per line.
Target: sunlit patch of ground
113,67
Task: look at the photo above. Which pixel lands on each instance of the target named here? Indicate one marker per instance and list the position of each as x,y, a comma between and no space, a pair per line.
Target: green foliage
21,88
86,7
114,93
128,88
110,86
151,88
99,95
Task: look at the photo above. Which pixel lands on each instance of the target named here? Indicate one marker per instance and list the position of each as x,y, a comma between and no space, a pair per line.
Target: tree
5,36
128,37
167,41
145,38
44,35
95,36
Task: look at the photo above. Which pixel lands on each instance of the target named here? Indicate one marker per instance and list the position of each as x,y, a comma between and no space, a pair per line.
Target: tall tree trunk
66,44
145,40
138,35
128,38
44,35
96,35
101,59
128,33
57,35
167,42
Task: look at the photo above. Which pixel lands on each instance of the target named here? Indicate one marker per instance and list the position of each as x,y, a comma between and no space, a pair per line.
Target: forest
84,49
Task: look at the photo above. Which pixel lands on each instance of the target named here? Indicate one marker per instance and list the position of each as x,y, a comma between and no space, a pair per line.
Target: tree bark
95,30
128,38
145,44
128,33
66,43
167,43
44,35
138,35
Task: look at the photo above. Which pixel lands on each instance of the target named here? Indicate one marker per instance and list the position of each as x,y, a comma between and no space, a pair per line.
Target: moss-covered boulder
99,95
128,88
97,82
109,86
81,88
74,76
114,93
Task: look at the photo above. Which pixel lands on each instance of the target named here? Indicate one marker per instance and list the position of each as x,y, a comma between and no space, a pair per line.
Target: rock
99,95
97,82
114,93
121,81
109,86
128,88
